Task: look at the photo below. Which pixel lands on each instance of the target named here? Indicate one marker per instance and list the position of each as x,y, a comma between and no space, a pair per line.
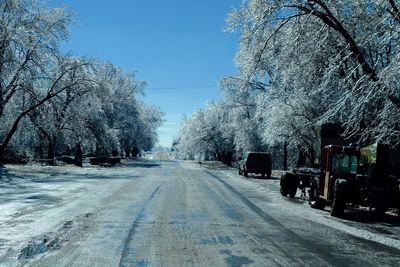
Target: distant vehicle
256,162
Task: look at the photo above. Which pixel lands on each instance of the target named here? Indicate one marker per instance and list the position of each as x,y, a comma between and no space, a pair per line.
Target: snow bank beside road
36,201
389,236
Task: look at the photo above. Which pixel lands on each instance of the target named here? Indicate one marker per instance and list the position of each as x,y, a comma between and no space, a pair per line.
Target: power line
181,87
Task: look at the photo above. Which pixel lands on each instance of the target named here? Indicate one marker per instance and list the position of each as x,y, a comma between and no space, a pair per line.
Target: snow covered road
161,212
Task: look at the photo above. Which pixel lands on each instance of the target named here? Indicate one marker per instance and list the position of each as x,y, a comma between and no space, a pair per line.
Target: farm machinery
348,175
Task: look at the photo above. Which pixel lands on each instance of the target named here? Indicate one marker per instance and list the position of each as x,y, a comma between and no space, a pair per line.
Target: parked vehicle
331,134
298,178
356,179
351,176
338,164
348,175
256,162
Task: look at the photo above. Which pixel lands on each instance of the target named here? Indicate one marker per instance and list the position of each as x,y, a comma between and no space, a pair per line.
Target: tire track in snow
127,258
362,234
324,256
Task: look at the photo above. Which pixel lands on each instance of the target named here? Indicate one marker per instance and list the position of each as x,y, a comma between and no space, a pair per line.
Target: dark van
256,162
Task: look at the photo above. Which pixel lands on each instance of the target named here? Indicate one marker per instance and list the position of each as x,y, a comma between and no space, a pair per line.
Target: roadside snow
36,201
270,188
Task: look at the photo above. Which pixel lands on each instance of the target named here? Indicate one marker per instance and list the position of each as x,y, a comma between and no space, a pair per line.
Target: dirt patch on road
54,241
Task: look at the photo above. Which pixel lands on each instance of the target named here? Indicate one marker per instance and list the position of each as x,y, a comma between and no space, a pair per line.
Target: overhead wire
181,87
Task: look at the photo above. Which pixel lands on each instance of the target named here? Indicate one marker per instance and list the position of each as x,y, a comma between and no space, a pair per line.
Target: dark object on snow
66,159
256,162
298,178
103,161
50,162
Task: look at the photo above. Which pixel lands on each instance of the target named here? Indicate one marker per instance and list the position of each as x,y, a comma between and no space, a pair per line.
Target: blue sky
178,47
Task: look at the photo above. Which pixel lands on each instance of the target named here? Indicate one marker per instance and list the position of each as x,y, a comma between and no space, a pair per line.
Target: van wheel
292,192
339,198
380,212
284,190
292,183
314,200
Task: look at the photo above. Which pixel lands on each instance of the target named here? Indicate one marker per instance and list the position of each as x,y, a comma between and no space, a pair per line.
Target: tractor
350,175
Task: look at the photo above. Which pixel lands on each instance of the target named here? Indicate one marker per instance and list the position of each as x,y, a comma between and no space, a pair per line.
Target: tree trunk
1,153
14,127
311,156
40,151
285,156
302,159
2,106
134,151
78,155
51,149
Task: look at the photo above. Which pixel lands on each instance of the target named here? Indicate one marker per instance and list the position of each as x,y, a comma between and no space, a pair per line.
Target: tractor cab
337,162
350,175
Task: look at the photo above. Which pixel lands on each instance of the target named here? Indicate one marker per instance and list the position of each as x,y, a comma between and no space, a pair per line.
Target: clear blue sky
171,44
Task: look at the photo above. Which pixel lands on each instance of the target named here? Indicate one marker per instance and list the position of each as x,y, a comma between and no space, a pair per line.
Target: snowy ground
160,212
42,203
357,221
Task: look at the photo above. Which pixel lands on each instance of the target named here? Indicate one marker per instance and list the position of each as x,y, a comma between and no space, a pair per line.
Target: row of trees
303,63
49,101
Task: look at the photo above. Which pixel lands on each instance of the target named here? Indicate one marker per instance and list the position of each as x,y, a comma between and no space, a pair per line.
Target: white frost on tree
49,101
303,63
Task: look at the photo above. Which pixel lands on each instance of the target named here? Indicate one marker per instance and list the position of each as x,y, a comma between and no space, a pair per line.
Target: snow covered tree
32,71
207,134
66,99
62,111
242,104
314,61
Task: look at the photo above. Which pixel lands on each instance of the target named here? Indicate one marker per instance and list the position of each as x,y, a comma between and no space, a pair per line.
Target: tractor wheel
245,174
380,212
314,200
292,183
284,190
292,192
339,198
396,194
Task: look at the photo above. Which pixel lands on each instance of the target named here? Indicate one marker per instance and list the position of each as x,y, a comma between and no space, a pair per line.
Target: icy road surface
161,212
